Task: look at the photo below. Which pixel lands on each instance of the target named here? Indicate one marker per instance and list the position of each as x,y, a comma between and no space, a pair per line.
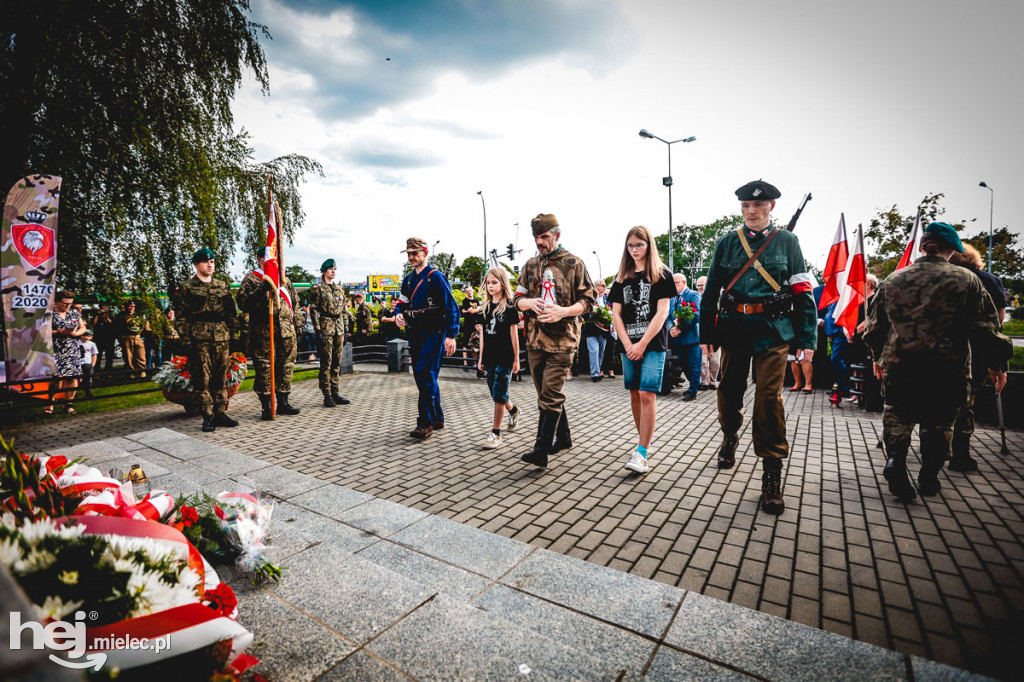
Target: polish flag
271,272
854,283
836,263
913,250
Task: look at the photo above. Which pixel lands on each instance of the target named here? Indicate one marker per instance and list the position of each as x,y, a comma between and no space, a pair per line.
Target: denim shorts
645,374
497,383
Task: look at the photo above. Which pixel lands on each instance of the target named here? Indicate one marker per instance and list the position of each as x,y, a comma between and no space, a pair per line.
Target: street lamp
599,274
667,181
483,270
991,209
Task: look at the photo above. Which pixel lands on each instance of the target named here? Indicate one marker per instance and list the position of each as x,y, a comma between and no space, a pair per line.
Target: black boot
267,414
283,407
962,460
727,451
928,478
563,440
222,419
546,425
329,401
771,486
339,399
896,474
208,424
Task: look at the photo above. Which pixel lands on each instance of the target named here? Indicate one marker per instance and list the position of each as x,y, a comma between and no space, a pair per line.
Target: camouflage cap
329,263
203,255
758,190
542,223
414,244
946,233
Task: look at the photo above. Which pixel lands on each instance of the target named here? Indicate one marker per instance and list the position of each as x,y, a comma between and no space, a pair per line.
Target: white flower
34,561
155,595
35,531
71,532
10,551
7,519
68,577
54,608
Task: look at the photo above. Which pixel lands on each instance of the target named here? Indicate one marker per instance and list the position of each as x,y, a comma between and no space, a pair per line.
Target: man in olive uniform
364,320
129,325
919,327
206,316
255,298
554,291
326,304
768,312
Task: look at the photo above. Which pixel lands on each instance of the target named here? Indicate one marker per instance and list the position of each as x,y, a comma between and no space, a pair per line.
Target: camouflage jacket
784,262
204,311
327,305
924,315
364,319
129,325
572,285
256,303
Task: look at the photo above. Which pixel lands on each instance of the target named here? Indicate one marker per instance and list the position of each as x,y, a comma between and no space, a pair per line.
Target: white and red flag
271,270
913,250
836,264
853,293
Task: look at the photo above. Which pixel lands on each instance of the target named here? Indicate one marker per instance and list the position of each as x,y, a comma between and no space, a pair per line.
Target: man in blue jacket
426,306
840,346
686,335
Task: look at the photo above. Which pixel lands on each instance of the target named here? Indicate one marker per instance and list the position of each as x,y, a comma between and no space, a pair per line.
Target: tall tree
695,245
1007,257
888,233
130,103
444,262
297,274
471,270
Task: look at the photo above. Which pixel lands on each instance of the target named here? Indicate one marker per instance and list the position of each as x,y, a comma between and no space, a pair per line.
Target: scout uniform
550,346
205,317
364,320
769,311
919,327
326,306
253,298
130,325
431,314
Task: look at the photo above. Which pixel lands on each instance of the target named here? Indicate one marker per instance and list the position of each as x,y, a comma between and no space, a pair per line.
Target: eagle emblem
34,243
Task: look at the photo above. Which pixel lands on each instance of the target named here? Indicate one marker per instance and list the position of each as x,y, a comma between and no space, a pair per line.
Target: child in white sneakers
499,349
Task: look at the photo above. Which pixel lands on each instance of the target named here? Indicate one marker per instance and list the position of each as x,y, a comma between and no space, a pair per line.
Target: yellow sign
382,283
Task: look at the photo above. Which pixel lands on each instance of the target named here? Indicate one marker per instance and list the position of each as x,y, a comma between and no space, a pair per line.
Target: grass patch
1014,328
1017,361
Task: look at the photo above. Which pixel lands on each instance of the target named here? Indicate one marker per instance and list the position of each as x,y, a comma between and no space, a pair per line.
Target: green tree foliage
1007,257
297,274
695,245
130,103
888,233
471,270
443,262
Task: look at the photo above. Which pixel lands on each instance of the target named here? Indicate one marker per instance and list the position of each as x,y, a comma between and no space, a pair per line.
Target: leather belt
749,308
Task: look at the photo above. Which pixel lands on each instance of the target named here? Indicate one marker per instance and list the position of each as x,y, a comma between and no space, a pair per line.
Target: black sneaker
689,396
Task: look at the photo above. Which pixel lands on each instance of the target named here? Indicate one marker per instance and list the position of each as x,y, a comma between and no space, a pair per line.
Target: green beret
329,263
946,233
203,255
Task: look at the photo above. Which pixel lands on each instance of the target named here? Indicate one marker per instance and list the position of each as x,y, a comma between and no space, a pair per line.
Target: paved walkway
940,579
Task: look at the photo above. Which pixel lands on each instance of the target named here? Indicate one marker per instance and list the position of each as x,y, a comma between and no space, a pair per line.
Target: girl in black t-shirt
499,349
640,299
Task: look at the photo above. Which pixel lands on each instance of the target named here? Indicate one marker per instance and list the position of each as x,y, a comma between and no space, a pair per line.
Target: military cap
329,263
946,233
203,255
542,223
414,244
758,190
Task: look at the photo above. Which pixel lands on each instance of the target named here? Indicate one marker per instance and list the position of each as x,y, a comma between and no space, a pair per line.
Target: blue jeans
497,383
595,349
644,374
689,358
839,367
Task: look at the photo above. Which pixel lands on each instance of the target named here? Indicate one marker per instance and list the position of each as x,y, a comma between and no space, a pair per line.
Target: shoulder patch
570,262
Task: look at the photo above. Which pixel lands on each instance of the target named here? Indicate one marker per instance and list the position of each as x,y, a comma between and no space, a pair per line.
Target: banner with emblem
28,265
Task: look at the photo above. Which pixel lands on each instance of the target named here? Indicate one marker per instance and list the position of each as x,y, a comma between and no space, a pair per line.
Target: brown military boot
422,432
727,452
771,487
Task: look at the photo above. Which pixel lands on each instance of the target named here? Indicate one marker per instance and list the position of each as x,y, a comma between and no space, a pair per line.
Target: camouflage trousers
207,366
964,425
330,348
932,400
284,365
769,428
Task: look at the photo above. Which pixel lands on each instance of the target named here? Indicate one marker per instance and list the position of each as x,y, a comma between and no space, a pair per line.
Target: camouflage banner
28,263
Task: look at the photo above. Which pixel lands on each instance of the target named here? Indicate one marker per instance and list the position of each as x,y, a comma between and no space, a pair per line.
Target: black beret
758,190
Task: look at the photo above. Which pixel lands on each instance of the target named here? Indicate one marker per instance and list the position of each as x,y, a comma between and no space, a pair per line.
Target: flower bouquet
174,380
602,317
684,313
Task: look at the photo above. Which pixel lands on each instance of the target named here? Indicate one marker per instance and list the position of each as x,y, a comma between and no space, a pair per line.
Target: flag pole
273,293
864,284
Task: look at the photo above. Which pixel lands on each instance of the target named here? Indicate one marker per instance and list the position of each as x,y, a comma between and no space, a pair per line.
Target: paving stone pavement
939,579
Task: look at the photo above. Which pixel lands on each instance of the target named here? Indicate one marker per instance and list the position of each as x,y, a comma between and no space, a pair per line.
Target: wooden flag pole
273,293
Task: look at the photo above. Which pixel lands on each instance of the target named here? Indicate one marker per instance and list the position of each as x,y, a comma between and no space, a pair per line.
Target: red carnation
189,516
221,599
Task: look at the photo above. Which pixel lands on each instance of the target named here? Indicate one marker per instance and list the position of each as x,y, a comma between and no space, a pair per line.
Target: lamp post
599,273
483,269
667,181
991,210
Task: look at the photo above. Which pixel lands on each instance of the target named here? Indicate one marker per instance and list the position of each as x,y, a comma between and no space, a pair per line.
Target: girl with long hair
499,349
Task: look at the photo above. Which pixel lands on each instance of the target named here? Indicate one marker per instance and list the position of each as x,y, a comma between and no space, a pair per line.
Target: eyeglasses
636,247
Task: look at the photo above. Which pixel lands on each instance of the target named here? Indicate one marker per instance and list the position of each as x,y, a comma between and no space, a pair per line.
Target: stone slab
229,464
575,630
364,667
95,452
125,462
179,485
470,548
750,641
157,436
330,500
931,671
289,518
124,443
641,605
187,448
381,517
453,582
671,665
280,482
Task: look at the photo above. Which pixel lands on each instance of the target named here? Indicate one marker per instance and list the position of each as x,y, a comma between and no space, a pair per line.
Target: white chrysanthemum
68,577
7,519
34,561
121,546
10,552
33,532
55,608
155,595
71,532
189,579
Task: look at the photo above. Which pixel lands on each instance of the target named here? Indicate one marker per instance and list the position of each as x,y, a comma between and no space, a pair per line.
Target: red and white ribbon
121,502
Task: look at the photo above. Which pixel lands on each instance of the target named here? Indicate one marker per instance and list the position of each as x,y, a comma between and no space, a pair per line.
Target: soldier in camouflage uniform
254,297
130,325
326,305
919,327
364,320
552,331
205,319
768,314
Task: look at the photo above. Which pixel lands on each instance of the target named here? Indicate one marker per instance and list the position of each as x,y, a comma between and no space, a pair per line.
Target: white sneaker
492,441
513,417
638,463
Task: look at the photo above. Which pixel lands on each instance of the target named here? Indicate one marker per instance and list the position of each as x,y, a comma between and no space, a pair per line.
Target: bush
1017,313
1017,361
1013,328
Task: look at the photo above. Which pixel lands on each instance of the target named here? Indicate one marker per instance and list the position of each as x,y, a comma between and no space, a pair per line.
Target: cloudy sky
413,106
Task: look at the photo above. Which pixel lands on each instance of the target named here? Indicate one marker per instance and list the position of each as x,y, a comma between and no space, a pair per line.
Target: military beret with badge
758,190
203,255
